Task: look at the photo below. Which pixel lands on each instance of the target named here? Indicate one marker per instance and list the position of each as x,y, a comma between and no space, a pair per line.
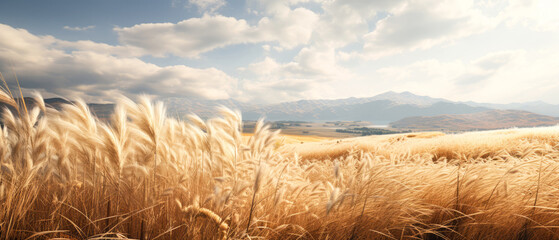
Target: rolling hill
494,119
101,110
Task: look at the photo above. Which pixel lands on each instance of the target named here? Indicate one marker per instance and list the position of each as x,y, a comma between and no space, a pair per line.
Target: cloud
86,45
303,44
79,28
41,63
428,77
344,22
273,91
413,25
307,76
194,36
499,77
289,29
494,61
275,7
424,24
316,63
387,27
186,38
340,23
540,15
207,5
266,47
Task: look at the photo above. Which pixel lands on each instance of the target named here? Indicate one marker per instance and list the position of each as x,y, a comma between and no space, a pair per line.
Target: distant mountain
178,107
53,102
538,107
407,98
102,111
380,111
385,111
281,111
493,119
299,110
382,108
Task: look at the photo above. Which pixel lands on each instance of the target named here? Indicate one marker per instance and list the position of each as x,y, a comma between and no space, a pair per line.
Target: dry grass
66,175
498,145
284,139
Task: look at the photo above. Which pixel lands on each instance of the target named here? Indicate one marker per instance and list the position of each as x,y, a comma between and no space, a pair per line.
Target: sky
260,51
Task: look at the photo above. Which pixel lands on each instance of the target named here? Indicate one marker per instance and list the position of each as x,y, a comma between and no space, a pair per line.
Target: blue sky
273,51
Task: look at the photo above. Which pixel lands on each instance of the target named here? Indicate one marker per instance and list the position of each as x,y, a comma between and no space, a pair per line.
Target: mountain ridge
383,108
488,120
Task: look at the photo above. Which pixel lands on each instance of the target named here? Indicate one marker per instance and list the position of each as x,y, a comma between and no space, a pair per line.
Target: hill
493,119
101,110
538,107
378,111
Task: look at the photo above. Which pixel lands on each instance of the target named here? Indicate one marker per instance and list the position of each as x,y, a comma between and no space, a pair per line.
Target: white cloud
40,63
86,45
281,7
290,28
346,21
410,25
427,77
326,32
307,76
424,24
266,47
315,63
186,38
340,23
79,28
267,67
287,89
413,24
207,5
496,77
194,36
540,15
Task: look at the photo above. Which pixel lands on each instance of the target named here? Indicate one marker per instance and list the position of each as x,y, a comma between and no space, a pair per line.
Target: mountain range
383,108
493,119
102,111
400,109
376,111
403,110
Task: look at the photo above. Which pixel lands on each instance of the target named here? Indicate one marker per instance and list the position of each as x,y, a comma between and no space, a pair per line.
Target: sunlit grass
143,175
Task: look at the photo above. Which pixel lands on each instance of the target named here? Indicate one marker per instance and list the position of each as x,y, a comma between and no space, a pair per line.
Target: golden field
67,175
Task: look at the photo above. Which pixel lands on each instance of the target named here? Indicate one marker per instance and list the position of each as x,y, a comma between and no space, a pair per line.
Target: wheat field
67,175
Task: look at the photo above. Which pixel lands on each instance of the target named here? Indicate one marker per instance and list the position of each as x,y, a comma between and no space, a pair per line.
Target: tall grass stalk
65,174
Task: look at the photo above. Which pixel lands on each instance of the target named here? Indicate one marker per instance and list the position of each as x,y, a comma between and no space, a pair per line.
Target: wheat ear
204,212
